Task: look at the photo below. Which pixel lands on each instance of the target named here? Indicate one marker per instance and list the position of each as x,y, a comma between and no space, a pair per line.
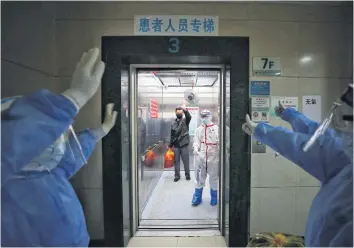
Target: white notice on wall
287,102
193,125
260,102
311,107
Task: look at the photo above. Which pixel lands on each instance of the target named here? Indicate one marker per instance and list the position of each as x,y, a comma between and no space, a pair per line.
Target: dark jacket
180,131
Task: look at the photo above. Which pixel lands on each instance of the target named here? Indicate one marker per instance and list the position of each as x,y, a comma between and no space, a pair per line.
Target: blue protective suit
300,123
40,208
330,220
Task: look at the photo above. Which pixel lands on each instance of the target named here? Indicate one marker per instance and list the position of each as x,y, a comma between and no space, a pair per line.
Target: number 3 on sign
174,45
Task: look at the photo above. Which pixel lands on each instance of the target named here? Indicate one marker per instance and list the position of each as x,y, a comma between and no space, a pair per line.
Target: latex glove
195,152
86,78
279,109
108,123
249,126
109,119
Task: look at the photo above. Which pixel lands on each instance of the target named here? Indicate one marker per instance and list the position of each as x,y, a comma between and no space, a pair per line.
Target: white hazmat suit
206,151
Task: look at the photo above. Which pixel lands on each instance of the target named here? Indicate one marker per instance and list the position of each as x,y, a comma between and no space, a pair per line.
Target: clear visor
205,114
205,117
334,126
67,147
75,146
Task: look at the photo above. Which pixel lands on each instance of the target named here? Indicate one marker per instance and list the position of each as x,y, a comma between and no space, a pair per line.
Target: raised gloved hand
279,109
184,106
249,126
110,118
86,78
108,123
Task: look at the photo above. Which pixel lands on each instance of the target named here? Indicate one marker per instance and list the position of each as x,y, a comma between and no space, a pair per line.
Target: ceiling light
305,59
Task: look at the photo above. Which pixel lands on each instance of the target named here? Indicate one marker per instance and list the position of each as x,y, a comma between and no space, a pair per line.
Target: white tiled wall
288,31
27,48
281,192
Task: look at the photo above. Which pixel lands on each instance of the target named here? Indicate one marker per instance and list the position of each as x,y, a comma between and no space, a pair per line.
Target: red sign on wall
154,108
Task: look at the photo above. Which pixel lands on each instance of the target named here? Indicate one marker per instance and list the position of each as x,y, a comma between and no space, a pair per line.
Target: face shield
338,123
68,144
205,117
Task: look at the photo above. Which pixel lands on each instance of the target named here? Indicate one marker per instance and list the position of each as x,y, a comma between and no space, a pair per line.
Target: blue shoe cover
213,197
197,197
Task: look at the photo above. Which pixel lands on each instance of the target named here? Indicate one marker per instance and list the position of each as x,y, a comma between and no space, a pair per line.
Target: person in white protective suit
206,151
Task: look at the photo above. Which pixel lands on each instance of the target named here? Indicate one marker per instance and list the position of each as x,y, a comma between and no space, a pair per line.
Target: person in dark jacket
180,141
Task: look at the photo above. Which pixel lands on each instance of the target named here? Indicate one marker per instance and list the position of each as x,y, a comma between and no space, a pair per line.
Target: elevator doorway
124,57
161,201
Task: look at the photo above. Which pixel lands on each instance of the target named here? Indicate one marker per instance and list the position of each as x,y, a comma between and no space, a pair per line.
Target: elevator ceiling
168,85
183,78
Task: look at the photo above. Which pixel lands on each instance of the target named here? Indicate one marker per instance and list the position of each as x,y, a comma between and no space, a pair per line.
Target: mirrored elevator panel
125,160
160,92
150,137
227,154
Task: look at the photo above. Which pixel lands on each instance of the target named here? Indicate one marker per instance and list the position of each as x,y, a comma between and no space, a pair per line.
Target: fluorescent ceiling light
306,59
181,90
166,96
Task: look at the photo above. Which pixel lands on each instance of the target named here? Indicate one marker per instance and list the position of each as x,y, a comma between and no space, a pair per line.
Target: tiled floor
211,241
172,200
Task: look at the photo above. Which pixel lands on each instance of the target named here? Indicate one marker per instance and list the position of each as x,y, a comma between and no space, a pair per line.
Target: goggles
205,114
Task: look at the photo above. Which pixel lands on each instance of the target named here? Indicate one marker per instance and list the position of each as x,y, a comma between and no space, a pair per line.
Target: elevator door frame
120,52
133,93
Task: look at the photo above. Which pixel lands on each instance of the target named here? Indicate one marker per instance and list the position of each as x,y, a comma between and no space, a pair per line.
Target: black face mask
179,116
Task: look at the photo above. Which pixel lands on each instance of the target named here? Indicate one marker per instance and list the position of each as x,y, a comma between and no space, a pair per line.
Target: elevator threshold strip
178,221
179,227
178,224
178,233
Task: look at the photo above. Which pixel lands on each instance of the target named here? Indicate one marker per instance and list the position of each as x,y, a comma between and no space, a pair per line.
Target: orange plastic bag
149,158
169,159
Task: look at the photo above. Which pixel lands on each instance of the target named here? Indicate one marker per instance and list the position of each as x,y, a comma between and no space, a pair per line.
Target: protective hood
52,155
206,117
